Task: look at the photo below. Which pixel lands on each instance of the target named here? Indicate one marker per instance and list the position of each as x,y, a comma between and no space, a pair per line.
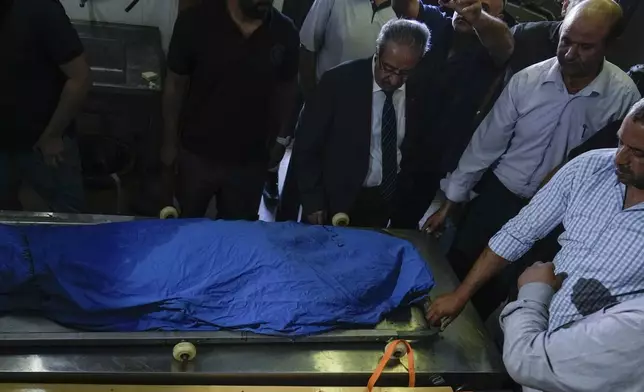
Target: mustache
624,169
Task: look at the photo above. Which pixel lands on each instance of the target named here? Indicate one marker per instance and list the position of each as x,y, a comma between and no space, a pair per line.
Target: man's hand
51,148
169,153
317,218
542,273
448,307
436,223
470,9
276,156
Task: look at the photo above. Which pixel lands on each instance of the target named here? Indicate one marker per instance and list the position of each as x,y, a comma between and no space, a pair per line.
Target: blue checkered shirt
602,246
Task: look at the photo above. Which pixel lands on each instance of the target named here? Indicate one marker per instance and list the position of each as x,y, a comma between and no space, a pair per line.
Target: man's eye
587,46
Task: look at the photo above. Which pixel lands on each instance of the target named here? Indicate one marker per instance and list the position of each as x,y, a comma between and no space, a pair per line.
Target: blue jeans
61,187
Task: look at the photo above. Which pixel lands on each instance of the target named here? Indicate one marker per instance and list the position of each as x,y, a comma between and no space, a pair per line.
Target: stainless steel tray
18,330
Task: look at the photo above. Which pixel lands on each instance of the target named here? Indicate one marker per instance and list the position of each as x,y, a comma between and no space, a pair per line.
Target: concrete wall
159,13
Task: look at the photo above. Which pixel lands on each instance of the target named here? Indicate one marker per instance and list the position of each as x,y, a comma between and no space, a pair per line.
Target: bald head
584,34
595,14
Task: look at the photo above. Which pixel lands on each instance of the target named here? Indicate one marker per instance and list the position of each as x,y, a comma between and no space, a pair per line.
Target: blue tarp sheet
277,279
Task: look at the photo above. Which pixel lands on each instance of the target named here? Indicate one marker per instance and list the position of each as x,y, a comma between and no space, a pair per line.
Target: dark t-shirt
454,88
227,115
534,42
38,37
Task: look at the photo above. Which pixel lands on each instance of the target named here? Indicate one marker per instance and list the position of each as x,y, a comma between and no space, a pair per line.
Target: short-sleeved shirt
38,37
227,116
341,31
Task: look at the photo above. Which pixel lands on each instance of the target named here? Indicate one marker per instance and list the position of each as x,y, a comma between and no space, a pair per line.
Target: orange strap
385,358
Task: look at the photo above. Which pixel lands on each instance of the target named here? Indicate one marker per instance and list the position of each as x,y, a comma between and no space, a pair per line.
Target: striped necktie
389,135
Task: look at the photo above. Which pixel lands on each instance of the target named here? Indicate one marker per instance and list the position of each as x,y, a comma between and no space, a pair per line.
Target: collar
598,86
376,87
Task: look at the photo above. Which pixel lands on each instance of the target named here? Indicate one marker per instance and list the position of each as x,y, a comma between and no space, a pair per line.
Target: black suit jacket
332,151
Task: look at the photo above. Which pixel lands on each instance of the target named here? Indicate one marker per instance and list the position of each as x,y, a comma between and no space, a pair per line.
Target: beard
627,177
255,10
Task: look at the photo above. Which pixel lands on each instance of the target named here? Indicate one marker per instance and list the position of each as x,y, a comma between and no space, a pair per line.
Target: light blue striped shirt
534,125
602,246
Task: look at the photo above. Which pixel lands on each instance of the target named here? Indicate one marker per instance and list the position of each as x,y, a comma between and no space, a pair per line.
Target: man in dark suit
358,131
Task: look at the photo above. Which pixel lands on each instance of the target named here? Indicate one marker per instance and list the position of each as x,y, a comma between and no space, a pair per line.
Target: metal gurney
463,350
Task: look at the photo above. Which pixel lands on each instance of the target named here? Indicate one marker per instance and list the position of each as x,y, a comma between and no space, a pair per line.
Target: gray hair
637,111
404,32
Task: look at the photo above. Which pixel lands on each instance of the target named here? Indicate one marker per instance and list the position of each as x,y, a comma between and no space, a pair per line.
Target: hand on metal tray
445,309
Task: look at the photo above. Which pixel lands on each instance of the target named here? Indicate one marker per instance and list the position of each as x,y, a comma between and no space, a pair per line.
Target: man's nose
621,158
571,53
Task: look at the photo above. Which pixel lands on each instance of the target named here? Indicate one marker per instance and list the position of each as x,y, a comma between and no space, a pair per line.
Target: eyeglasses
391,70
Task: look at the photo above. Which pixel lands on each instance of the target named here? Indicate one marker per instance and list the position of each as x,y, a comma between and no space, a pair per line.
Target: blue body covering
278,279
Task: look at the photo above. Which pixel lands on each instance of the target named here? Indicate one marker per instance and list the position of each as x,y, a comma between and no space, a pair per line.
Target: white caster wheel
399,351
340,219
184,352
169,213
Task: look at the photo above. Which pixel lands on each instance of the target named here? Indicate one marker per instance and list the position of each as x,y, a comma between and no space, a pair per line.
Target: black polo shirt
37,37
227,116
534,42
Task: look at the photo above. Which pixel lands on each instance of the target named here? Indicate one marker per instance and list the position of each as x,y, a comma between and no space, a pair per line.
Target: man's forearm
496,37
488,265
174,91
70,102
308,72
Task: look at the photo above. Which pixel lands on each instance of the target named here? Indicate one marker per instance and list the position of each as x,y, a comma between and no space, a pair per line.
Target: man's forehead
585,30
632,133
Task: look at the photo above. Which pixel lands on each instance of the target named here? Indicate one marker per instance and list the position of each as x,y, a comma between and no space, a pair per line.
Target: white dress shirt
342,30
535,123
374,175
603,352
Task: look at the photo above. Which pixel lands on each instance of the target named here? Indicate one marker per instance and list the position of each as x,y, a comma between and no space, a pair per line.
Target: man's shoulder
350,68
531,30
595,161
535,73
284,26
618,78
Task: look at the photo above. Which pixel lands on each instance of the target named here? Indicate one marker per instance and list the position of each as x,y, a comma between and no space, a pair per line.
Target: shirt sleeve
181,56
59,38
599,353
438,23
544,212
289,68
489,142
314,26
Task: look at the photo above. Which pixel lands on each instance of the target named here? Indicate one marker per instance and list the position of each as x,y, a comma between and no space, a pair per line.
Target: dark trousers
370,209
237,188
483,218
415,192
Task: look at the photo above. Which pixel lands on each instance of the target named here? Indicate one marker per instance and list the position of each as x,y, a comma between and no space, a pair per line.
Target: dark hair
637,111
406,32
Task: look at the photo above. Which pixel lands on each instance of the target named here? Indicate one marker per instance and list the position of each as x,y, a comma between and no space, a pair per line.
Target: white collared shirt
342,30
374,175
535,123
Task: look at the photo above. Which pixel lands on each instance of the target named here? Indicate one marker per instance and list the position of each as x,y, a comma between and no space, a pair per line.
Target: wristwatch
284,141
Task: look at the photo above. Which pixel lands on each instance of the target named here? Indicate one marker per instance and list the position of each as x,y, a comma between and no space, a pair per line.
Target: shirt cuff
537,292
455,193
508,247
